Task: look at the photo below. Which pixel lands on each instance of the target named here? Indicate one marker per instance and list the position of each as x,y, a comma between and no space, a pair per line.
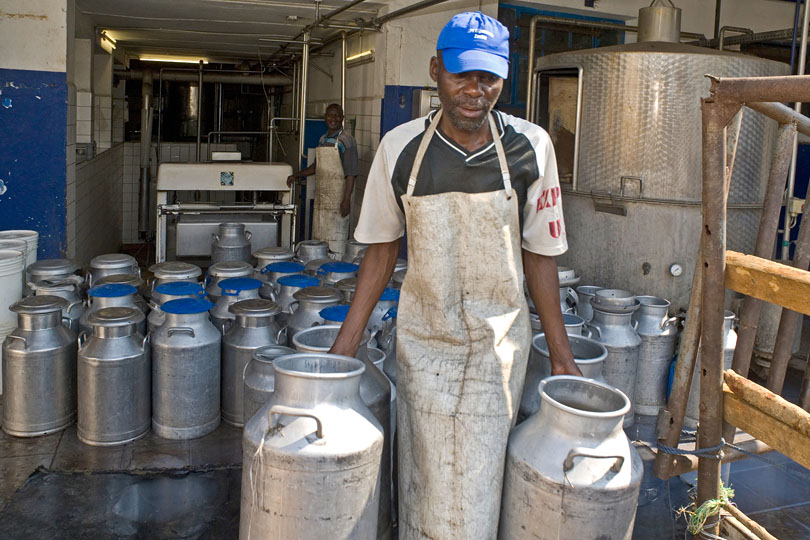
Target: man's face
466,97
333,118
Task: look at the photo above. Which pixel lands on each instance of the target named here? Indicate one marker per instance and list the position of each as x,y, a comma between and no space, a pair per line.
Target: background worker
479,193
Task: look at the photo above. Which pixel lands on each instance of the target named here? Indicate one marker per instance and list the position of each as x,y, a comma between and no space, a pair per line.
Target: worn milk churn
52,270
309,250
231,244
289,285
255,327
589,355
233,290
332,272
355,251
111,295
171,271
259,377
115,379
388,299
584,294
347,287
613,326
375,390
306,306
112,264
185,371
575,325
729,344
127,279
312,267
224,270
569,301
272,254
571,472
39,369
273,271
658,332
166,292
69,290
312,455
387,341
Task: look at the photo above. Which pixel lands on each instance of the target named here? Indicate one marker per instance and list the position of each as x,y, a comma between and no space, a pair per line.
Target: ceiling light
107,42
173,59
361,58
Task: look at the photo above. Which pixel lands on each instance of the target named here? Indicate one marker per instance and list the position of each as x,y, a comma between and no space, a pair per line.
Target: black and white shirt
448,167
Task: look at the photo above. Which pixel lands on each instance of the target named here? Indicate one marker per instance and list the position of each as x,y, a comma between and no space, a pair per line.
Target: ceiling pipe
211,77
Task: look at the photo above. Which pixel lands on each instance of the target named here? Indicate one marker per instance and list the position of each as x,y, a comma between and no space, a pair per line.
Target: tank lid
186,306
230,269
255,307
32,305
337,267
53,266
125,279
180,288
348,284
284,267
312,243
115,316
273,252
175,269
45,286
319,295
298,280
390,295
112,261
269,353
112,290
335,313
233,286
615,301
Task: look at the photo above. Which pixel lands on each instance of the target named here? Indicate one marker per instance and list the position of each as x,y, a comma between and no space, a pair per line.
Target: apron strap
420,153
496,137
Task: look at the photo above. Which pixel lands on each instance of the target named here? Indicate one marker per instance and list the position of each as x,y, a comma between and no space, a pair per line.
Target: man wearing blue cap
479,193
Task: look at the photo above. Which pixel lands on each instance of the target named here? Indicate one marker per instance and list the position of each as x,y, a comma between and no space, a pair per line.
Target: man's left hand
345,207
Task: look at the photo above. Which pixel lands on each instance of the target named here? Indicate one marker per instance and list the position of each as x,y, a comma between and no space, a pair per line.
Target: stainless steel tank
628,118
659,333
111,295
165,292
186,354
231,244
312,455
259,378
232,290
111,264
39,369
255,327
571,472
224,270
114,379
308,250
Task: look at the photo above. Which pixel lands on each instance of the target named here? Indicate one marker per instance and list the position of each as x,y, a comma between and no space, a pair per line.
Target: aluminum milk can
259,377
312,267
397,278
171,271
110,295
347,288
334,314
115,379
308,250
312,455
255,327
729,344
55,270
575,325
69,290
173,290
658,332
224,270
232,290
376,392
585,293
272,272
289,285
268,255
569,301
571,472
355,251
306,307
387,341
231,244
186,354
39,369
388,299
613,327
589,355
111,264
332,272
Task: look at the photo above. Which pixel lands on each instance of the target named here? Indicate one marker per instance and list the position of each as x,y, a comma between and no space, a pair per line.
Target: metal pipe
301,125
218,118
405,11
530,78
199,114
798,108
211,77
146,148
718,6
731,29
744,89
782,114
795,34
343,73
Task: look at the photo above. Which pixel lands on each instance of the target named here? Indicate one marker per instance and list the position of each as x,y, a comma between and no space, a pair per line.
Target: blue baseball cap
473,41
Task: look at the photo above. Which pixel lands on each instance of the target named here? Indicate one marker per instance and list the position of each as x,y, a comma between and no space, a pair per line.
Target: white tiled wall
84,117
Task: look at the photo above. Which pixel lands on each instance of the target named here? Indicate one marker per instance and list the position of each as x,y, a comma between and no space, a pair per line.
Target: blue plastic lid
233,286
338,267
186,306
284,267
334,313
389,295
298,280
390,314
179,288
112,290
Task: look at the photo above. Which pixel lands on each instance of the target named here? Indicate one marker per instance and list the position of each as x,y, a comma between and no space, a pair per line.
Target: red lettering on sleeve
555,228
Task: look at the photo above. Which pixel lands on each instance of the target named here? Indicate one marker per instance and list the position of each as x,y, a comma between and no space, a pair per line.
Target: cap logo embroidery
480,31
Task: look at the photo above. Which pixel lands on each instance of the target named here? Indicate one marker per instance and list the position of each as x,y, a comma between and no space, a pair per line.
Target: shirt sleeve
381,219
543,223
349,157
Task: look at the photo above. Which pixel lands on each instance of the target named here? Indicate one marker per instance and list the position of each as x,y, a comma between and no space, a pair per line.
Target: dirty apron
463,339
330,183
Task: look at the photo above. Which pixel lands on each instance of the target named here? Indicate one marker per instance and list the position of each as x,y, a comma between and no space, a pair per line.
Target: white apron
463,339
330,183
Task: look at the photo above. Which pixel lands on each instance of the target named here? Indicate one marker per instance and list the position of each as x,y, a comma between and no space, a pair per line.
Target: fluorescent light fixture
173,59
107,42
361,56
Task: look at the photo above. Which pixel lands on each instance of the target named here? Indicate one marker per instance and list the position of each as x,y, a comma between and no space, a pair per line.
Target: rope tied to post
696,519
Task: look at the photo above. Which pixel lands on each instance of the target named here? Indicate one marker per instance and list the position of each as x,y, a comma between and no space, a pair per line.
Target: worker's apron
330,183
462,345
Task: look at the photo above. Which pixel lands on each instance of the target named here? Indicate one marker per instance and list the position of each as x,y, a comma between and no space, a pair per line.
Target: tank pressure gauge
676,270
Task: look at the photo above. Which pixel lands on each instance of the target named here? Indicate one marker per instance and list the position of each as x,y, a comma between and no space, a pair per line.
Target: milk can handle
293,309
81,339
293,411
635,325
66,321
248,235
25,342
137,270
591,328
588,331
571,293
278,335
73,305
180,330
579,451
668,322
144,342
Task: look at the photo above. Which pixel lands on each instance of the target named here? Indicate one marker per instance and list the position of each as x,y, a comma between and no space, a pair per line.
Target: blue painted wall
396,106
33,119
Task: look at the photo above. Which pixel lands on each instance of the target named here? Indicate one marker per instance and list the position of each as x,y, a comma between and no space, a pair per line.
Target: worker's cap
473,41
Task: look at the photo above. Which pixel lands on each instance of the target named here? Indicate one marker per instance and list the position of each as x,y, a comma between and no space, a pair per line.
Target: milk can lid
39,304
53,266
284,267
126,279
389,295
318,294
112,290
186,306
180,288
115,316
298,280
273,251
230,268
348,284
112,260
337,267
233,286
335,313
255,307
177,269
